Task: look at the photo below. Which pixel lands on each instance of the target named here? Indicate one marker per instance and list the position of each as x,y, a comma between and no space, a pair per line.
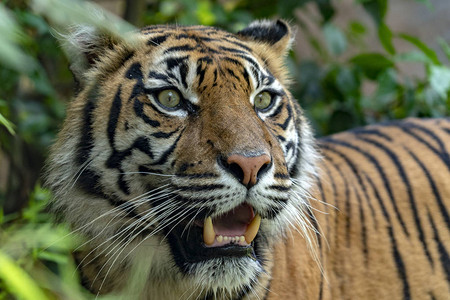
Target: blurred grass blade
18,281
422,47
445,47
10,37
9,126
66,13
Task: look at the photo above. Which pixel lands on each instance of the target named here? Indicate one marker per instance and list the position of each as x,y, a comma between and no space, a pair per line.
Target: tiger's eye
169,98
263,100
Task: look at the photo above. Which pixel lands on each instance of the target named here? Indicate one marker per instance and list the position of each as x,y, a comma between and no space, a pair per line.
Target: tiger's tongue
235,222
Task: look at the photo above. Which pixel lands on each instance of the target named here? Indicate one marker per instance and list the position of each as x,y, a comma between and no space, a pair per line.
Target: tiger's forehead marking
186,56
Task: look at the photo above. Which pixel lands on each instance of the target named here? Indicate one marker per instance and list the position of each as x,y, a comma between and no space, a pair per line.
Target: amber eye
169,98
263,100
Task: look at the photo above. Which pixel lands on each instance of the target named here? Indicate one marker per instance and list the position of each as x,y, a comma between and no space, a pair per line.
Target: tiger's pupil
169,98
263,100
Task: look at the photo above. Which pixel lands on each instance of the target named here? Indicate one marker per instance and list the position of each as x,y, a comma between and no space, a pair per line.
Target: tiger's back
382,200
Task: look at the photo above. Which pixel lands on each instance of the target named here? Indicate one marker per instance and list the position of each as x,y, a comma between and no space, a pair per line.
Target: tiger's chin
220,255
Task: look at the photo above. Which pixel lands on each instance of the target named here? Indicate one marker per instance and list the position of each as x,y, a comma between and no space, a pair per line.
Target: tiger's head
183,156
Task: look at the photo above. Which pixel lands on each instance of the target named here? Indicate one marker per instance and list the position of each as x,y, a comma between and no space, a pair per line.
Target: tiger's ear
277,34
83,46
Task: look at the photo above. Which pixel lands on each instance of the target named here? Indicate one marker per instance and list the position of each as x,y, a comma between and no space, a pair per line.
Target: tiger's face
185,147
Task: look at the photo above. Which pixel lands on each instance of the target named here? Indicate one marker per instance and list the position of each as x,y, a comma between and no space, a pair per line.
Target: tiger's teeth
252,229
208,232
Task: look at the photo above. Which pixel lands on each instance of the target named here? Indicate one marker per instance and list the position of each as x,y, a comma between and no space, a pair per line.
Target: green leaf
421,46
440,80
357,28
377,9
445,47
18,281
385,35
413,56
326,9
334,39
372,64
426,2
204,13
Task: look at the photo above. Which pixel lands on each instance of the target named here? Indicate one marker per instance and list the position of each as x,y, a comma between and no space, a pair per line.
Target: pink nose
247,169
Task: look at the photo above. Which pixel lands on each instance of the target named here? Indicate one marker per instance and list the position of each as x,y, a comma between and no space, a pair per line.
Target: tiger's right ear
83,46
278,35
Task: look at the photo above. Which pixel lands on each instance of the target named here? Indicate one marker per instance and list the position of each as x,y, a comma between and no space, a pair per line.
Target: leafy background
344,83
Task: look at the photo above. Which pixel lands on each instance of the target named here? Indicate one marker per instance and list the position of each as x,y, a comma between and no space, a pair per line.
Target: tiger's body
193,174
385,225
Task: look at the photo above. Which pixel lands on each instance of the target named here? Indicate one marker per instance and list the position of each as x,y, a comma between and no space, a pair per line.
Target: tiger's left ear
276,34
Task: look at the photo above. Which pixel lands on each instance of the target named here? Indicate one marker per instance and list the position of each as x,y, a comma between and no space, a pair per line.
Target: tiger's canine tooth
252,229
208,232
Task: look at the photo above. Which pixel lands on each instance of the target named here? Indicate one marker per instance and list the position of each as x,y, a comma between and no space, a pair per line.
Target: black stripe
281,175
232,50
134,72
163,159
434,188
443,253
367,131
232,74
159,76
200,175
144,169
374,161
237,43
442,154
323,198
246,77
347,197
139,110
164,135
280,188
197,199
394,158
289,117
283,139
277,111
86,142
400,265
198,188
183,73
157,40
251,61
378,197
89,181
179,48
200,72
114,113
277,199
173,62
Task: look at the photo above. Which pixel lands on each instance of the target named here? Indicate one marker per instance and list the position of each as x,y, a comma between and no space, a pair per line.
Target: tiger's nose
247,169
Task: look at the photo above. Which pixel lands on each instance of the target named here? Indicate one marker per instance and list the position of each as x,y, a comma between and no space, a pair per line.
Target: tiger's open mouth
229,235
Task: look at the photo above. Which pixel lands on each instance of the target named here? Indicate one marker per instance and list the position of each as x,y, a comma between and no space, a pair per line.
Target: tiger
192,172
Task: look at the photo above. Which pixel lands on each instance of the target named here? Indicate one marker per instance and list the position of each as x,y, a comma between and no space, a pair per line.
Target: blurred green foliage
337,89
